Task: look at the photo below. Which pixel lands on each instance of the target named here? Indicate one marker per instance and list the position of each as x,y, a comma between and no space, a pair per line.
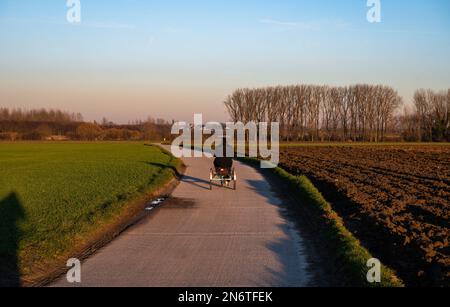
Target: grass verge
344,252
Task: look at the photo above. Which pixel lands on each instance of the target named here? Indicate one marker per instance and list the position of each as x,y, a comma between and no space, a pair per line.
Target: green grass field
53,195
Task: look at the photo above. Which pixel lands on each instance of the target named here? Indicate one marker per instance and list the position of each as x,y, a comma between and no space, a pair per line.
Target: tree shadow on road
197,182
299,265
11,212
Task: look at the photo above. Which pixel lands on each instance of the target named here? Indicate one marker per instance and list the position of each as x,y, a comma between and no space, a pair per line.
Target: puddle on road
156,203
170,203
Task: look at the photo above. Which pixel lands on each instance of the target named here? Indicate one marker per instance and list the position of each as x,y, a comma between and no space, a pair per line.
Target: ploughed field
395,199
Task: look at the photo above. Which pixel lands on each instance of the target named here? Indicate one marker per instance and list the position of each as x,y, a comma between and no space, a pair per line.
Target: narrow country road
206,238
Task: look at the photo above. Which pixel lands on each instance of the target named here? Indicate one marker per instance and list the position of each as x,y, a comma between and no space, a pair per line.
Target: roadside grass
54,195
344,252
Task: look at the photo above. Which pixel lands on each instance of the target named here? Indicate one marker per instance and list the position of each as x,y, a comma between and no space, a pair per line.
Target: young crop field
394,198
53,195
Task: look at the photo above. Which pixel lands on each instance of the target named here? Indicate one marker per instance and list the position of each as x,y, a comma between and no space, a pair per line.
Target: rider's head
225,147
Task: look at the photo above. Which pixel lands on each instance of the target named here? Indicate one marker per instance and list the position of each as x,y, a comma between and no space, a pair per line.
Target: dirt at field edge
393,199
392,250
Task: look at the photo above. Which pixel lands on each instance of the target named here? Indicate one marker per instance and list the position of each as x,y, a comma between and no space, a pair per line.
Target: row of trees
305,113
39,115
319,113
148,130
430,118
44,124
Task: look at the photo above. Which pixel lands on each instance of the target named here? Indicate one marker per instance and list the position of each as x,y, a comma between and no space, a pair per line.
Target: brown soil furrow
402,192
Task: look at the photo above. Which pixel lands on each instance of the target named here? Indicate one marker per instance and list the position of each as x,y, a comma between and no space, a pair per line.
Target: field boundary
129,215
346,257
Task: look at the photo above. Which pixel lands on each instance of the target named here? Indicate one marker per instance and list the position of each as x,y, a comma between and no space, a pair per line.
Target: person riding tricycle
223,171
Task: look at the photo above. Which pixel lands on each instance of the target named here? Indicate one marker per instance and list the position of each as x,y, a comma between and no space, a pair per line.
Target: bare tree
308,112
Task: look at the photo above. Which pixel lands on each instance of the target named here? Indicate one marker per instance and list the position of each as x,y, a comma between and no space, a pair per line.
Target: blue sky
131,58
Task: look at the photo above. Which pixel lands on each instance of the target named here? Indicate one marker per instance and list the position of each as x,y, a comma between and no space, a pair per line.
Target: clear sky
129,59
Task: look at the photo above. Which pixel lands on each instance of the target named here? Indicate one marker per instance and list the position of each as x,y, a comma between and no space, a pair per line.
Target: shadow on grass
163,166
11,212
197,182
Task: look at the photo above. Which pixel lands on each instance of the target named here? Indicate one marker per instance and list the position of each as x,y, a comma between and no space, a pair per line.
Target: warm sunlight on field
51,194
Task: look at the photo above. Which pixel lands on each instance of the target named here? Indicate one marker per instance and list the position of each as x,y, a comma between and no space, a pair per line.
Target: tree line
42,124
430,118
358,113
39,115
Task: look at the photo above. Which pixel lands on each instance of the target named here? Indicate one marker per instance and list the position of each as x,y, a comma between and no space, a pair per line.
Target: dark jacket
226,163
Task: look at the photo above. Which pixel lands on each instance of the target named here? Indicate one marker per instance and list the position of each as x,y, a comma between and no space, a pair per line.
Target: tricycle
224,176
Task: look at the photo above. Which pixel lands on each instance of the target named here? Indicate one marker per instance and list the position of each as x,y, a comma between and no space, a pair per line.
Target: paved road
206,238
